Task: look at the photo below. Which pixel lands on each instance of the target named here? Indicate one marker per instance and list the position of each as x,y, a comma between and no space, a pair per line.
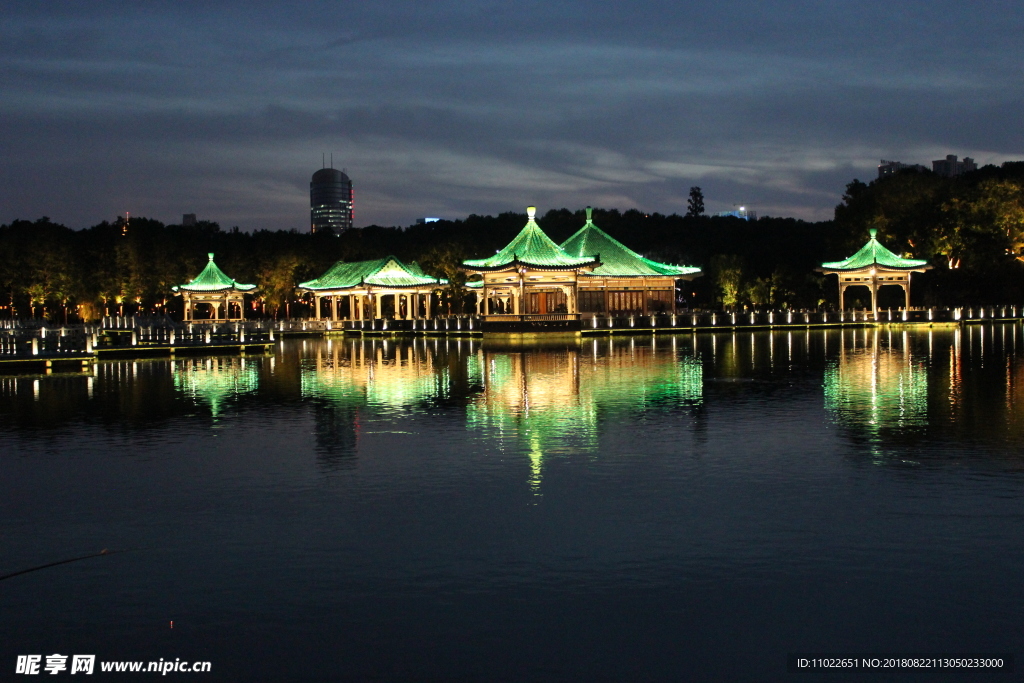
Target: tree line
970,228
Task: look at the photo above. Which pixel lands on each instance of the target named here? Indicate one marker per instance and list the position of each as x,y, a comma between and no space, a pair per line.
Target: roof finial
210,254
531,211
873,232
590,213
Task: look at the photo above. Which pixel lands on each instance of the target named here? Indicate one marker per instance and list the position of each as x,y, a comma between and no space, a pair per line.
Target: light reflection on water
450,504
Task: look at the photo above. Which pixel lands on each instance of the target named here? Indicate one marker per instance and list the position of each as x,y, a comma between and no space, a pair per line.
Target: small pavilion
874,266
218,291
625,282
363,286
531,276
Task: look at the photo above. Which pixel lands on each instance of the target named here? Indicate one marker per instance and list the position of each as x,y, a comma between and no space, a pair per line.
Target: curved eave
212,290
372,285
689,273
832,268
517,264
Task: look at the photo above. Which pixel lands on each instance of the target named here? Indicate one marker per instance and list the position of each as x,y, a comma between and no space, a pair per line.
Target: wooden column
874,295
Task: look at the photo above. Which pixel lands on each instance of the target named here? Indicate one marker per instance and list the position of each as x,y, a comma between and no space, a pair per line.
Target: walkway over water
27,343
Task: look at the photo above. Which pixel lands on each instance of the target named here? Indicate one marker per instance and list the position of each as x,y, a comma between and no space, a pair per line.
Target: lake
689,507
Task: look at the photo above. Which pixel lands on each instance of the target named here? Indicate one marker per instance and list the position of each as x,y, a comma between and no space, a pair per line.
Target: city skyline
448,110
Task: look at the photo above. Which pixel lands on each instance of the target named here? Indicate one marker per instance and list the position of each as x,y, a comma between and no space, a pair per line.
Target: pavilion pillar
874,296
430,298
409,299
316,307
906,291
842,293
376,301
352,307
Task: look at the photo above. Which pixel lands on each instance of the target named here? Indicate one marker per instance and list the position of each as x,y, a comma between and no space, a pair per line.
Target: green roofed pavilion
363,284
212,287
874,266
625,282
532,276
533,249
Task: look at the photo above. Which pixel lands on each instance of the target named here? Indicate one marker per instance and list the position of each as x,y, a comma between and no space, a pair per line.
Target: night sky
449,108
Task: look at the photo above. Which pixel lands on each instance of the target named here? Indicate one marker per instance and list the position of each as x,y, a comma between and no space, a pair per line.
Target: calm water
678,508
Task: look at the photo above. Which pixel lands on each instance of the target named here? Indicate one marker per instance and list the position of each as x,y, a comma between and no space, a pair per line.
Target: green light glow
875,388
215,381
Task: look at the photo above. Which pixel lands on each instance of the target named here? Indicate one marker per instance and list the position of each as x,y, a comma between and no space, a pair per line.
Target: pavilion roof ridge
874,253
616,259
212,279
388,271
530,247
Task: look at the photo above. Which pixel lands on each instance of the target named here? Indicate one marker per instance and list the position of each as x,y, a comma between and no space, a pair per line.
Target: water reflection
213,382
876,383
397,380
550,404
882,386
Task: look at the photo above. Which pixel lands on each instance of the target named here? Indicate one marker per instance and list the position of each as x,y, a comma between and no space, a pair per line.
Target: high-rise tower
330,201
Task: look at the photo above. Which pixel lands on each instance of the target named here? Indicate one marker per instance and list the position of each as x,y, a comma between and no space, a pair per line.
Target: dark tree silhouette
695,204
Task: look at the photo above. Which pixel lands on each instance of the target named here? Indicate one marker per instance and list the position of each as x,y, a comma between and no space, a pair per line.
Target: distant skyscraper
330,201
950,167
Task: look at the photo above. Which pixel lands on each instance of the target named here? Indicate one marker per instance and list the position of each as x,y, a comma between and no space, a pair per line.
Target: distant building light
741,212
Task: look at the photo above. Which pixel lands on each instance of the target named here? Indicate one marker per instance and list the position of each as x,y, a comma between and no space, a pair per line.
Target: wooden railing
529,317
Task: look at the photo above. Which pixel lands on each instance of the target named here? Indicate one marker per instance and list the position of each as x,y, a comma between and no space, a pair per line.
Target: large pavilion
874,266
363,286
532,276
218,291
625,282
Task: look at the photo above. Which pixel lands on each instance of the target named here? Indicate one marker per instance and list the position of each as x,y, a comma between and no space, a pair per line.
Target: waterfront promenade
32,345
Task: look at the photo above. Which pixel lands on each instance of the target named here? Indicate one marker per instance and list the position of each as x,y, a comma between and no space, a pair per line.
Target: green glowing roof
531,247
617,260
382,272
212,279
874,253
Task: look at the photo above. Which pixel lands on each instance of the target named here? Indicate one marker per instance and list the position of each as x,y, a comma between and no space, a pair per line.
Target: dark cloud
448,108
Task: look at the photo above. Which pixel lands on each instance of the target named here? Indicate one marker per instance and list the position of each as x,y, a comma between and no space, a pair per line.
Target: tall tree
695,204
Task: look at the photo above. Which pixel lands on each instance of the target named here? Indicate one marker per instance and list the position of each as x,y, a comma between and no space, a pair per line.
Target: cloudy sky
449,108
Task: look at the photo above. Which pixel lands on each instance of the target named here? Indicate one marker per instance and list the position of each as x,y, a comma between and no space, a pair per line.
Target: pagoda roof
212,279
617,260
382,272
531,247
873,253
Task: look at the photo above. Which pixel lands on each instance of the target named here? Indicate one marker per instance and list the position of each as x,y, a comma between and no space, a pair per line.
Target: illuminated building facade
331,202
625,283
532,276
377,289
